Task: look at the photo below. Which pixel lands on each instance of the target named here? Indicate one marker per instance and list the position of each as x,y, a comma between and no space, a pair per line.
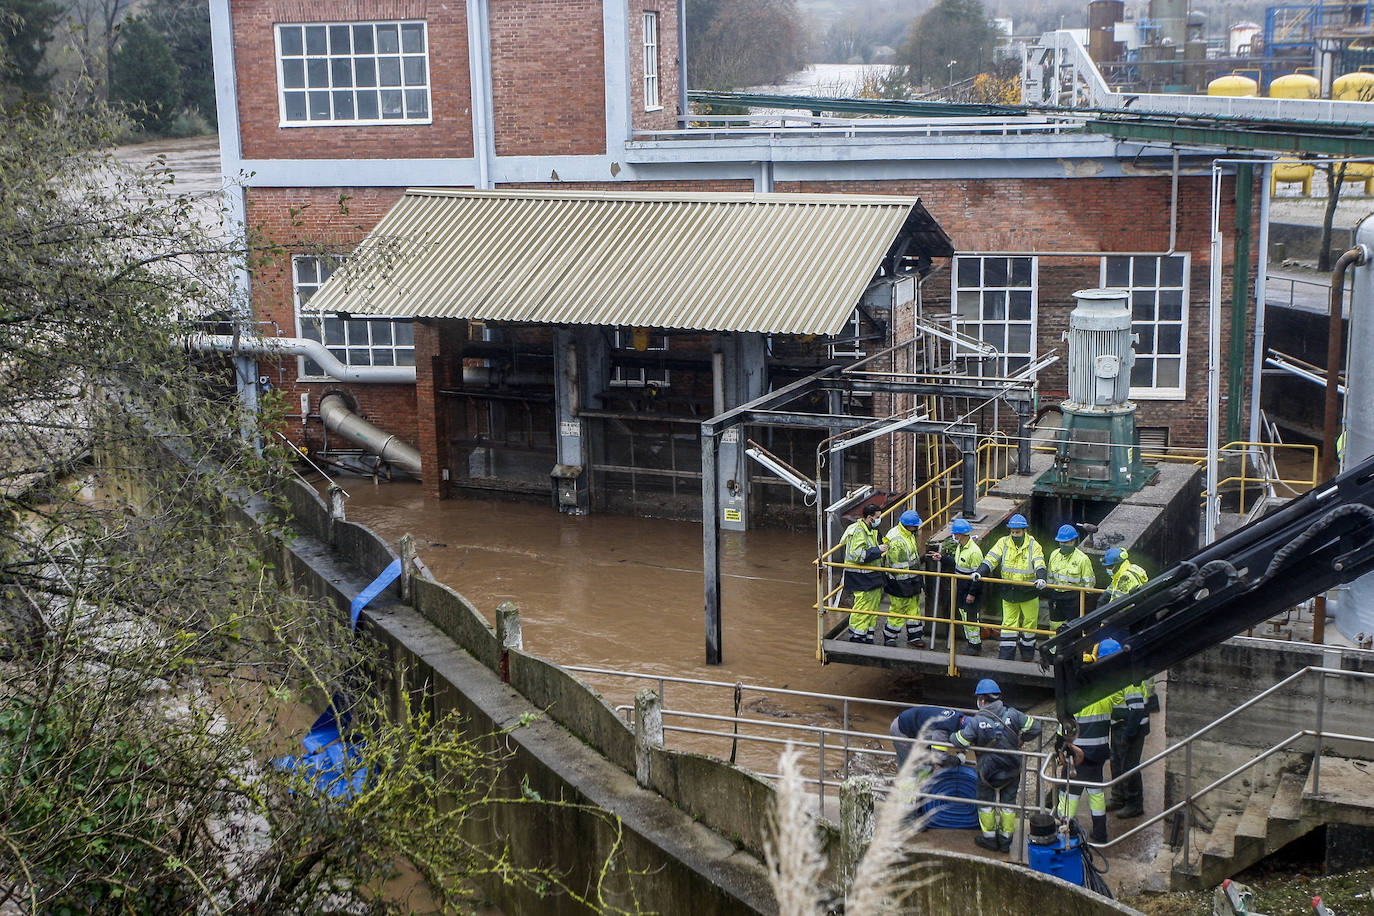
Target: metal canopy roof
772,263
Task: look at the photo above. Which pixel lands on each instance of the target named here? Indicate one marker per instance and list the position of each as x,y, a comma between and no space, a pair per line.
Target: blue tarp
388,576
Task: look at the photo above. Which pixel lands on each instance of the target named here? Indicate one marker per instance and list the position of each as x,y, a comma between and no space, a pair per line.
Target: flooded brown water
625,593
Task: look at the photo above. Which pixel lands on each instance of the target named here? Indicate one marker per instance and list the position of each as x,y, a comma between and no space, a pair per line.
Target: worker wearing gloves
995,729
1068,566
904,588
1088,753
1126,576
1021,560
965,558
1130,725
862,548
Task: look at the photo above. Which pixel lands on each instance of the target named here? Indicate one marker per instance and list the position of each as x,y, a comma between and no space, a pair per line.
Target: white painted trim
616,55
480,87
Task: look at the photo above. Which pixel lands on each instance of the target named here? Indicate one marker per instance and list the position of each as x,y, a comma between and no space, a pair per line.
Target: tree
153,664
185,25
27,29
957,31
144,77
742,43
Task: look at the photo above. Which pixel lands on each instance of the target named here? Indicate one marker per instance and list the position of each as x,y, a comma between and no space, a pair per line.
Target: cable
1092,872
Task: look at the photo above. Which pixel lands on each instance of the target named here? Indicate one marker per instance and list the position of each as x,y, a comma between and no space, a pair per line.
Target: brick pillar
431,375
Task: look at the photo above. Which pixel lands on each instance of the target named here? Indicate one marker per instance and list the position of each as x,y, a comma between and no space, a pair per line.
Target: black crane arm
1320,540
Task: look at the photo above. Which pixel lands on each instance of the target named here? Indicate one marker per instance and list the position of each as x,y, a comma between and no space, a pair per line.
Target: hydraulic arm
1320,540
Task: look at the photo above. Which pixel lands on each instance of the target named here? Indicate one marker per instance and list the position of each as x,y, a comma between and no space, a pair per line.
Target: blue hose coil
962,782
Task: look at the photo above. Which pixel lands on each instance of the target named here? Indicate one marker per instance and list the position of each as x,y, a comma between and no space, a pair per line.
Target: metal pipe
1335,336
339,419
1261,300
299,346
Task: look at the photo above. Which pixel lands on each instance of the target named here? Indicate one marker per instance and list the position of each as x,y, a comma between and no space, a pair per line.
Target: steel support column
1240,295
710,535
968,446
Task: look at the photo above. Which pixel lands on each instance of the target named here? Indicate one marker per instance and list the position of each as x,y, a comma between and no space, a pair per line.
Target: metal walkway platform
935,662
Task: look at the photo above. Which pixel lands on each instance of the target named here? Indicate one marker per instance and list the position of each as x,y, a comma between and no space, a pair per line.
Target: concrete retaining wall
694,837
1224,677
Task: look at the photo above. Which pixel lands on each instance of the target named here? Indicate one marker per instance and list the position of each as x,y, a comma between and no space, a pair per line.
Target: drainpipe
297,346
1240,298
1334,338
339,419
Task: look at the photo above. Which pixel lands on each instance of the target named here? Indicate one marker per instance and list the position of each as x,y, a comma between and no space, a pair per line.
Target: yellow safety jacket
1019,563
1073,568
903,553
861,549
1127,578
1094,724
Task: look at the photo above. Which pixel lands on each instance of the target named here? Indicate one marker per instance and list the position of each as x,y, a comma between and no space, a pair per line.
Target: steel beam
1358,145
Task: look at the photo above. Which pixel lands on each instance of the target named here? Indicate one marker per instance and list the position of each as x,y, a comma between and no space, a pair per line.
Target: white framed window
651,98
630,377
353,73
1158,290
995,302
354,341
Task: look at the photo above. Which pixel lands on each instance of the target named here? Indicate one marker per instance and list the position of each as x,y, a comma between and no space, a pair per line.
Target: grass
1280,890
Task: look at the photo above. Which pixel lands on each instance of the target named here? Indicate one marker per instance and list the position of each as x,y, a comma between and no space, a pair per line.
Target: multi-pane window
1157,287
353,341
649,342
651,99
353,73
994,301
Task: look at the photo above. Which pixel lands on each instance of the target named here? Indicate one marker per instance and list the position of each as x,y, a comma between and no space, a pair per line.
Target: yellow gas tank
1233,85
1295,86
1291,171
1354,87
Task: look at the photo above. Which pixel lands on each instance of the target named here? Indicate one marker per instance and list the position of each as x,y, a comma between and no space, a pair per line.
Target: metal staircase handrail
1190,796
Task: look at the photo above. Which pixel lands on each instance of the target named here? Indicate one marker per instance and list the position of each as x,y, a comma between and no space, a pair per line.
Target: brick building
329,111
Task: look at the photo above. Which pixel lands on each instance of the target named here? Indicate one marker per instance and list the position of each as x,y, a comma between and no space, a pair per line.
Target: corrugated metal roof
773,263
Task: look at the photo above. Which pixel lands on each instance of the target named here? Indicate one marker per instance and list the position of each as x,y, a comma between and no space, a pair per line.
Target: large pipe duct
299,346
339,419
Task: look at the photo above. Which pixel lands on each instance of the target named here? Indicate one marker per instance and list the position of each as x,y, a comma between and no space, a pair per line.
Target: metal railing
1274,282
1188,804
782,125
835,751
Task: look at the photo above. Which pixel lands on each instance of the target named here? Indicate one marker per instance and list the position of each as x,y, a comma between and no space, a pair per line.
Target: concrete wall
1227,675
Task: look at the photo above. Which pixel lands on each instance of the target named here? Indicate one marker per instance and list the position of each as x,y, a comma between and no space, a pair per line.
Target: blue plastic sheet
388,576
331,762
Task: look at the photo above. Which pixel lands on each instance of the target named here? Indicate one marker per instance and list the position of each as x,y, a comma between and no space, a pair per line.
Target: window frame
653,99
1157,392
962,325
303,314
329,60
622,338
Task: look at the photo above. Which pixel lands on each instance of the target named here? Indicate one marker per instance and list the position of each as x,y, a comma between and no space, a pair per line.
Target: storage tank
1354,87
1240,39
1295,86
1171,17
1291,171
1234,85
1103,15
1097,452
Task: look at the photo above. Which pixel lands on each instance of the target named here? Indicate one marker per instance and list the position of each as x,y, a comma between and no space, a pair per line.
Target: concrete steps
1269,820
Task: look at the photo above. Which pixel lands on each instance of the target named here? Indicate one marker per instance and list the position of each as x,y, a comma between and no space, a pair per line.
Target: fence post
856,825
648,733
334,498
508,634
1317,750
407,566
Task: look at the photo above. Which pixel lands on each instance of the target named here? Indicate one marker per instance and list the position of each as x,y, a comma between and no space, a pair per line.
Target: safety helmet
1115,556
1107,647
911,518
1066,533
1017,521
987,687
961,526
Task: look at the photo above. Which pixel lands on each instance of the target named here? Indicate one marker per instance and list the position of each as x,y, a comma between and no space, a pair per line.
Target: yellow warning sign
732,515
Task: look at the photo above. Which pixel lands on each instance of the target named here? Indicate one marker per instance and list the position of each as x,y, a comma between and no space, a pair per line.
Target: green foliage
953,30
732,44
185,25
144,77
26,29
154,662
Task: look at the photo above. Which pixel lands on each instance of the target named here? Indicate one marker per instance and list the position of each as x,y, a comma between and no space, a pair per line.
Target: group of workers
1112,729
1017,558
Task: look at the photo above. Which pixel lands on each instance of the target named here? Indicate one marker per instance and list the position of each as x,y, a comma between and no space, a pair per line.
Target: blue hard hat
1066,533
961,526
1017,521
1115,556
987,687
911,518
1108,647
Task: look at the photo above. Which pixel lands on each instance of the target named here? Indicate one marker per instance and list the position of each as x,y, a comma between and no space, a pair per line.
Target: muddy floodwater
623,593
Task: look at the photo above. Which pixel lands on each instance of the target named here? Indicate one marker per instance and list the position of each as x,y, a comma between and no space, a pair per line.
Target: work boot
987,842
1099,831
1115,803
1028,653
1003,842
1128,812
1007,653
974,648
916,643
856,636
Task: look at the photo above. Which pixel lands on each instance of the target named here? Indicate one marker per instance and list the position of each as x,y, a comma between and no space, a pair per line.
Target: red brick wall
324,220
548,98
666,117
450,134
1085,215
